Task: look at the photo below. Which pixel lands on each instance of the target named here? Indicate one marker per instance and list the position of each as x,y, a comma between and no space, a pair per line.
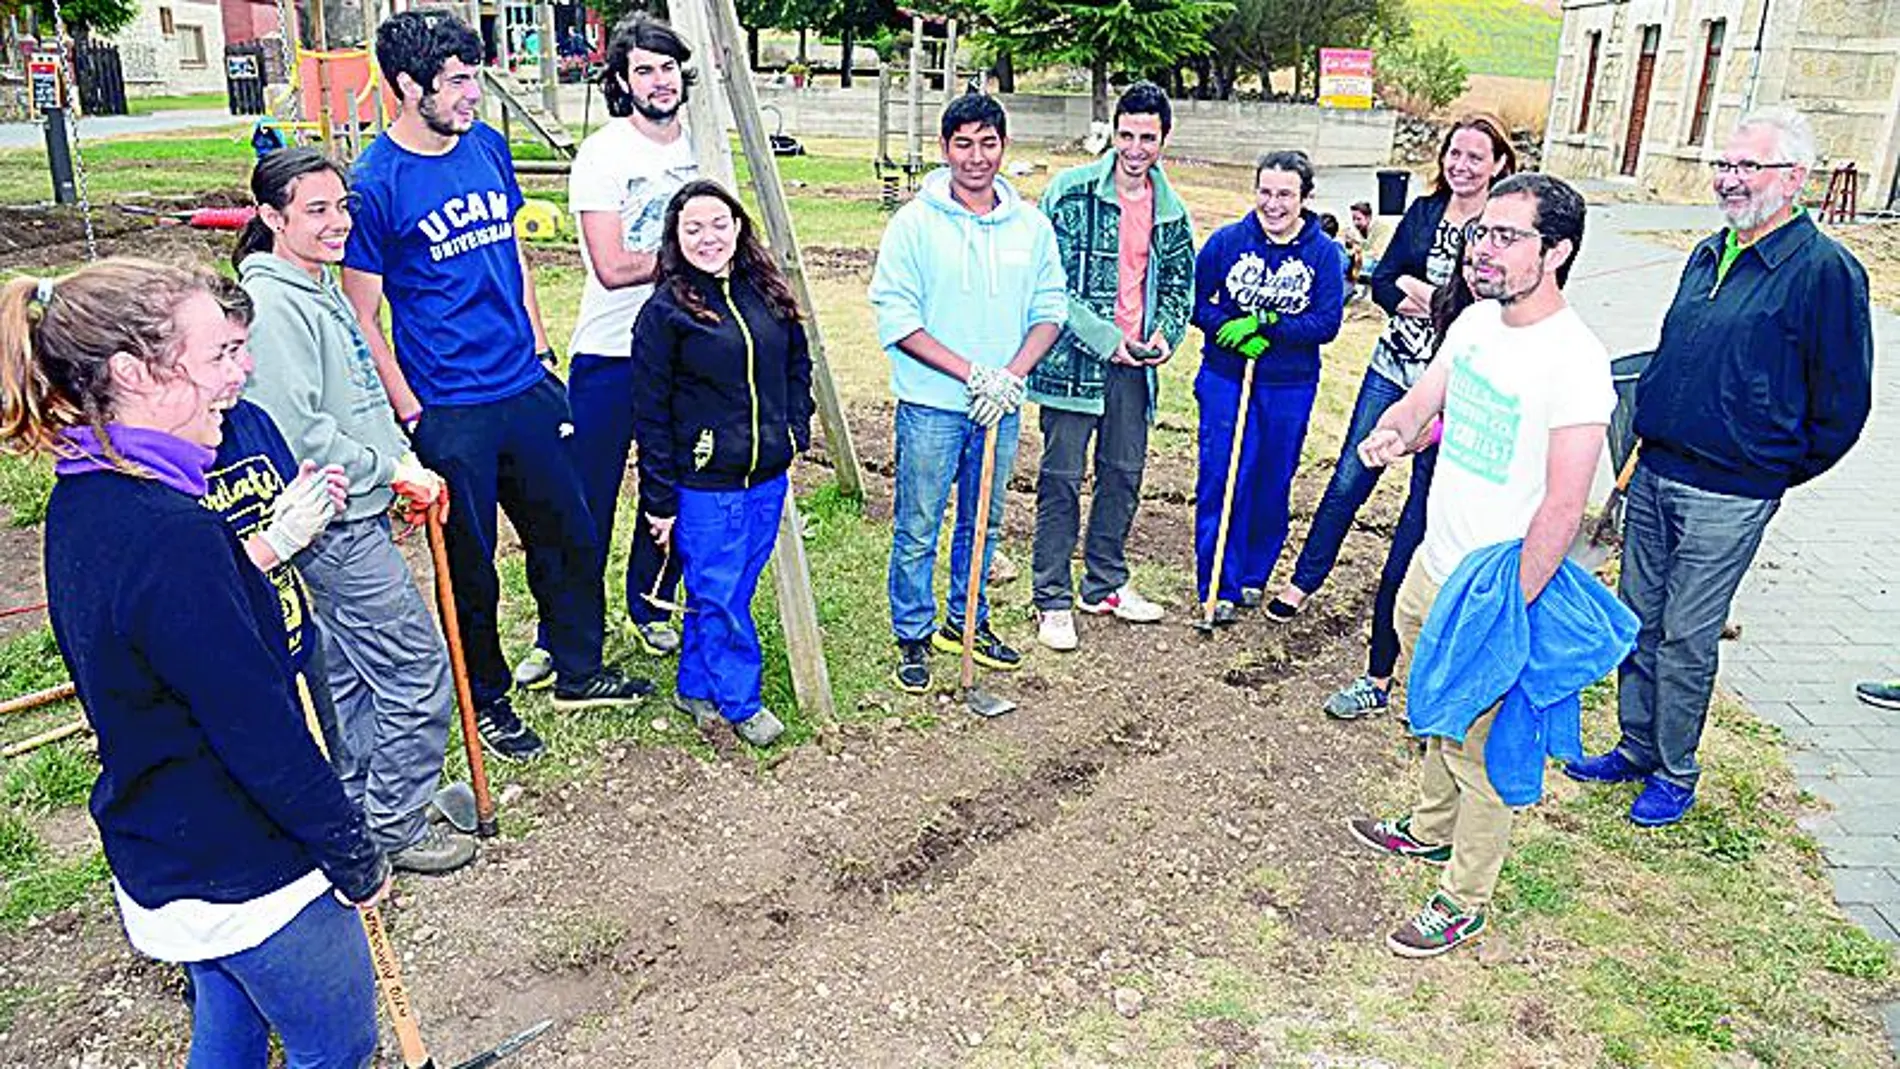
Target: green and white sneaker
1395,837
1885,694
1439,927
1357,700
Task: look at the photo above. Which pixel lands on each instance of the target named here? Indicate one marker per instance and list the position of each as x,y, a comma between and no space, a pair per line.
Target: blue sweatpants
1276,428
724,538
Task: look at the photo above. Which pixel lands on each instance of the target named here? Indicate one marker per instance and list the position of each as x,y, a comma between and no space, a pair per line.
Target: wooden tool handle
26,702
1227,494
985,479
485,823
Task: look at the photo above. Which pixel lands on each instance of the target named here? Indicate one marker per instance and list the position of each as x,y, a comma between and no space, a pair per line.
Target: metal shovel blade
506,1047
987,705
456,803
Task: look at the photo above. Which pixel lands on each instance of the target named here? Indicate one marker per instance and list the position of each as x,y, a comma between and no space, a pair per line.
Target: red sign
1345,77
42,72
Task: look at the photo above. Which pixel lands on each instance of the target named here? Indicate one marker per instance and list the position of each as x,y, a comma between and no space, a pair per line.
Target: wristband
546,356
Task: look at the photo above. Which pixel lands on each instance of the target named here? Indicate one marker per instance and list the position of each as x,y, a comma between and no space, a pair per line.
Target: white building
173,46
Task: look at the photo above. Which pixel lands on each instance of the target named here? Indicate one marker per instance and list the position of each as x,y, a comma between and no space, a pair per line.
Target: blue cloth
935,451
252,466
725,539
1481,643
1276,428
311,983
976,283
1240,272
440,231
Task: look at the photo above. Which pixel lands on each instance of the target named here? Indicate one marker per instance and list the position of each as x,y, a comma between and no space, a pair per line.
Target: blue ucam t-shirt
440,231
252,467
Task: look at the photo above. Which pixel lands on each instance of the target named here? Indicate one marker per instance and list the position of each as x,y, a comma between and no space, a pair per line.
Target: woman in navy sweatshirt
232,848
722,401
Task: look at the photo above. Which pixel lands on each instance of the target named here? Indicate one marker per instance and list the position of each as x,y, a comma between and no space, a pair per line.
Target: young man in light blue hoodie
969,294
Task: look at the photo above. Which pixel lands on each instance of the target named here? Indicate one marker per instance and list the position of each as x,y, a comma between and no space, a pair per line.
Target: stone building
1651,88
173,46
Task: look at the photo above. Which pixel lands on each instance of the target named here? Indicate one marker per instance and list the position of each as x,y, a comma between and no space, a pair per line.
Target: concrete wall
153,60
1223,131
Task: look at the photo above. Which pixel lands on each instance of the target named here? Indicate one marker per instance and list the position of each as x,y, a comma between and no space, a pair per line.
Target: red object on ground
221,218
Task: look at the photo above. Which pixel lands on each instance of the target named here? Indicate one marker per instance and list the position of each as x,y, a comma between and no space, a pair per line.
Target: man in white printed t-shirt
622,178
1525,391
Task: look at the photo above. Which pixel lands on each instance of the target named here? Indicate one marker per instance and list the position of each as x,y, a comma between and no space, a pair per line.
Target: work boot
535,671
503,733
912,673
1128,605
437,853
761,729
1661,803
987,650
704,713
607,688
1055,628
1442,925
1610,767
657,638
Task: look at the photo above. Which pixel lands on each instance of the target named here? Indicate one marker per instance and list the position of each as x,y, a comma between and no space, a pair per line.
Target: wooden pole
550,70
319,29
950,63
28,702
45,738
883,113
914,90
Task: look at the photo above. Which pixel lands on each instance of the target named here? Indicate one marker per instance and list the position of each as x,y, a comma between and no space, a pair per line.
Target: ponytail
273,184
30,408
255,237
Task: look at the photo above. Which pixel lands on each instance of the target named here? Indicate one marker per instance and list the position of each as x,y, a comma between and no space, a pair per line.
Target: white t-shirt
619,169
191,929
1510,387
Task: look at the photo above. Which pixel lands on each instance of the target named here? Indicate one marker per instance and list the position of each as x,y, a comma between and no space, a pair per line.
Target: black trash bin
1392,191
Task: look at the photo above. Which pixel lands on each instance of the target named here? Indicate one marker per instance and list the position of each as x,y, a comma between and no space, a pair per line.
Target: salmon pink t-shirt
1131,275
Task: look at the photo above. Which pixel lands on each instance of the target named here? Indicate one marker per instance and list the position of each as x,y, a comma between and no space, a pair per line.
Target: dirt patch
1876,244
39,238
22,581
834,261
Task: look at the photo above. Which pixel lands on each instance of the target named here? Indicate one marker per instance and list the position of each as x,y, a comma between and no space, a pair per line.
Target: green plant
25,484
1421,76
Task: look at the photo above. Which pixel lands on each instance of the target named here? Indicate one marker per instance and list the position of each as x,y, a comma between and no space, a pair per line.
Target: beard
1502,291
1759,209
432,117
661,115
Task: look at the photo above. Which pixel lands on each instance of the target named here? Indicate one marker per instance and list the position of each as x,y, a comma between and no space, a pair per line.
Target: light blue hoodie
976,283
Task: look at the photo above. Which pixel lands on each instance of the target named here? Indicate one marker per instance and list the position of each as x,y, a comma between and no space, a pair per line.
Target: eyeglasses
1500,237
1745,168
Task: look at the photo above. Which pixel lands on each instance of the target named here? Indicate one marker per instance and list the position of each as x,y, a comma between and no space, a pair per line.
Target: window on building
165,21
191,46
1705,91
1589,81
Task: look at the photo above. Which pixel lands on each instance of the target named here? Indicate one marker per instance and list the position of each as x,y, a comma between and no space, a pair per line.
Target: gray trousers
1121,451
1685,552
389,676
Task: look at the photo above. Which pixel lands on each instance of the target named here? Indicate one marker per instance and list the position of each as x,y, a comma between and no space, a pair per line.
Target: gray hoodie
315,378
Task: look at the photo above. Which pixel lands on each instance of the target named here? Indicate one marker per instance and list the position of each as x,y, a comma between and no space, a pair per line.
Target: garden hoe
1592,549
980,701
1206,623
388,969
485,823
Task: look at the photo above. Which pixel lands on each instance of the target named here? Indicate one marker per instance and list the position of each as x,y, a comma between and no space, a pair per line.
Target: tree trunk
847,42
803,56
752,46
1098,89
1005,72
1299,69
1266,79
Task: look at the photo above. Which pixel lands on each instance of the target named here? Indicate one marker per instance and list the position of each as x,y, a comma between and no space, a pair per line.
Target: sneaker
1002,569
761,729
1439,927
505,735
1126,604
1611,767
1395,837
1660,804
536,670
1357,700
606,688
1055,628
1251,597
1225,614
1282,611
437,853
656,638
1886,695
989,651
704,713
912,673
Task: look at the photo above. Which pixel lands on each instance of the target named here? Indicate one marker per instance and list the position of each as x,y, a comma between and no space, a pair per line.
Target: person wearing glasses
1524,390
1762,380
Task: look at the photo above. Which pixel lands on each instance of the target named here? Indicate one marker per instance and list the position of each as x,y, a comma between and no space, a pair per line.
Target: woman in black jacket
722,400
1423,256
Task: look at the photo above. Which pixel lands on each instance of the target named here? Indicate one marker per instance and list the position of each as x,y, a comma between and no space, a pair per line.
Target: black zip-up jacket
716,406
1410,247
1764,380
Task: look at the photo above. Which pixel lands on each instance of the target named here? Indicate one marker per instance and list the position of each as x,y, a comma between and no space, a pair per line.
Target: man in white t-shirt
622,178
1525,391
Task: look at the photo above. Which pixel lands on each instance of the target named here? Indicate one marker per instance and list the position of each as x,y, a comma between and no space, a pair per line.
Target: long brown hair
58,337
1501,148
751,261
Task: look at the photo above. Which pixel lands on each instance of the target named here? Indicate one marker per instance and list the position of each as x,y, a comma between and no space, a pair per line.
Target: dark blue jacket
1481,644
210,786
1763,381
1239,272
252,467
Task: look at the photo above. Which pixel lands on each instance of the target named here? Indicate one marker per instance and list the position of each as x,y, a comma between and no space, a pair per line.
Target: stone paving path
33,135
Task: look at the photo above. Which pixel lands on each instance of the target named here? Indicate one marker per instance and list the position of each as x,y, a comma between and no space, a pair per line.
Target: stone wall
1222,131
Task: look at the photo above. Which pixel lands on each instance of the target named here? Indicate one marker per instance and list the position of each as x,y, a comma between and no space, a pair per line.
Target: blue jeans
938,449
1346,492
724,538
1256,532
310,983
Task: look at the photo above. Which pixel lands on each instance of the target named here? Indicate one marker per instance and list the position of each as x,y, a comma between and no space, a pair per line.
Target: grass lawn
1504,37
177,102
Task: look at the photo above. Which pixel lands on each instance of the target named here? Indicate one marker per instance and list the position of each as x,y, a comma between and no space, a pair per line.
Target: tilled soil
887,896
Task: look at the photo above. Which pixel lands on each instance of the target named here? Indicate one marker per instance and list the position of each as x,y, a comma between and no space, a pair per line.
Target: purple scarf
172,461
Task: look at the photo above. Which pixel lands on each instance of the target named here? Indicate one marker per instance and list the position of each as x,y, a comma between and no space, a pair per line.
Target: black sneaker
988,650
605,688
505,735
912,673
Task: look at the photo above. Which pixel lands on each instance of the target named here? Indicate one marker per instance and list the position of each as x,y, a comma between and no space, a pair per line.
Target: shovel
980,701
1205,625
1593,549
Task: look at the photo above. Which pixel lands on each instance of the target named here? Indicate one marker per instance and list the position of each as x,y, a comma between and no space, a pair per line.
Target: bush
1419,77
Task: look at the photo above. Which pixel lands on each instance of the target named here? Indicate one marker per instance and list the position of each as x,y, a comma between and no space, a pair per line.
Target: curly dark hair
643,31
751,261
419,42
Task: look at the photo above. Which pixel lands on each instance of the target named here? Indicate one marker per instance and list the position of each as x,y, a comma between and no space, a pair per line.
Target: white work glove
994,394
419,488
300,513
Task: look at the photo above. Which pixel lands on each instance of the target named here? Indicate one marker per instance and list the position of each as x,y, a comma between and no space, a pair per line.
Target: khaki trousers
1456,802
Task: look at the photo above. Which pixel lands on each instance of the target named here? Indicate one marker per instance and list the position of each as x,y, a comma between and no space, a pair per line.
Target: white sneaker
1056,630
535,671
1126,604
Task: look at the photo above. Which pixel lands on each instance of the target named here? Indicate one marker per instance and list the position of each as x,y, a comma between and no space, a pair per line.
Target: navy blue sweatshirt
252,467
1239,272
210,787
1763,380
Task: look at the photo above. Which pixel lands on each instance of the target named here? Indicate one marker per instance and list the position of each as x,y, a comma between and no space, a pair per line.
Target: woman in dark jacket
232,848
1424,253
722,401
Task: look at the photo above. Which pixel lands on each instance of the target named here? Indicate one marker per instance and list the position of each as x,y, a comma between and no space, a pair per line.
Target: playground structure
892,173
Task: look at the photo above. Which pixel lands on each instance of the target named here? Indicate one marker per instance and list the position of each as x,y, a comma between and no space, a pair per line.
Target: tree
85,17
1262,36
1105,35
1421,77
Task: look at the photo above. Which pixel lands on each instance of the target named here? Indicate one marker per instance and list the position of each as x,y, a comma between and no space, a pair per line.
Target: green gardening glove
1235,331
1252,347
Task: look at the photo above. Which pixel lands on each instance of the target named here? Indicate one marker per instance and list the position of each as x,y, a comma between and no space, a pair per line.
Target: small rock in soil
1127,1001
727,1059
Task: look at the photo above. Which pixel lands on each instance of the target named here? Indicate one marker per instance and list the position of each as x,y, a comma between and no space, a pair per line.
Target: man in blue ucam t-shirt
434,236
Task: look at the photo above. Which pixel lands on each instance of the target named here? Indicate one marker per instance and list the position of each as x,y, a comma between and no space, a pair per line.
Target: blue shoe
1611,767
1662,803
